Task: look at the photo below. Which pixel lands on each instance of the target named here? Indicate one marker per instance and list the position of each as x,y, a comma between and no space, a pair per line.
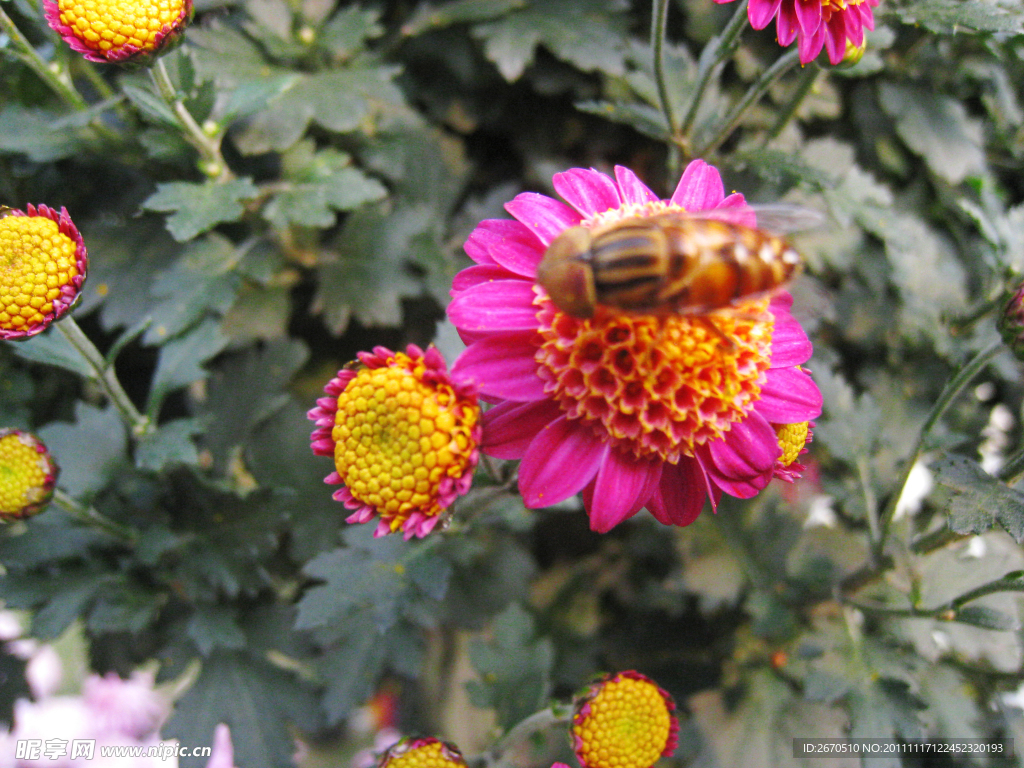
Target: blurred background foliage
349,149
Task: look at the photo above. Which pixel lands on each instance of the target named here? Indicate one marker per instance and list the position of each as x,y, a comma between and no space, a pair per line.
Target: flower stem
717,51
207,146
91,517
807,80
754,92
659,20
952,390
1013,470
28,54
521,731
106,376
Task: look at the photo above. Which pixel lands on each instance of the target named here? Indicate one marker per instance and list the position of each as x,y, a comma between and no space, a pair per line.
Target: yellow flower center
628,725
398,436
429,755
792,439
36,261
22,476
103,25
659,385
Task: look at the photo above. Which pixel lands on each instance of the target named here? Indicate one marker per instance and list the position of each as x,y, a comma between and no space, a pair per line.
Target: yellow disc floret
398,436
423,753
118,29
27,475
792,439
37,261
627,724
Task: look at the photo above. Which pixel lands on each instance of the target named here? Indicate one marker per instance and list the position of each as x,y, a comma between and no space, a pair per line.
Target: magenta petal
623,485
785,23
633,190
835,37
510,244
479,273
781,302
588,191
681,493
810,45
761,12
510,427
867,16
545,217
700,187
808,15
790,345
749,449
789,396
501,305
562,459
502,365
475,249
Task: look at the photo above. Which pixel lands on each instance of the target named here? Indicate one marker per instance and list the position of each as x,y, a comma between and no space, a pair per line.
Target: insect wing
774,218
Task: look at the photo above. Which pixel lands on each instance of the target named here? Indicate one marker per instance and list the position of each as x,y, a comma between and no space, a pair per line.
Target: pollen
39,264
115,29
658,385
792,439
627,723
402,438
423,753
27,475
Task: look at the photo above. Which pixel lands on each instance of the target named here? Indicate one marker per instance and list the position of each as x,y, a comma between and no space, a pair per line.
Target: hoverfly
671,262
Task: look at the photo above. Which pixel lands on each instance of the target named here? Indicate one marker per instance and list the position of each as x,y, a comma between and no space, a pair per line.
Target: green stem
807,80
870,502
719,49
1013,470
659,20
1011,582
521,731
106,376
207,146
754,92
952,390
91,517
31,57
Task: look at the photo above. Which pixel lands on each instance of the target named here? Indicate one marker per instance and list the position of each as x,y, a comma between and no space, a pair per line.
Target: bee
665,263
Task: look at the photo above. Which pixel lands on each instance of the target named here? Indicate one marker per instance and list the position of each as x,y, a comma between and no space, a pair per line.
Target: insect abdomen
629,265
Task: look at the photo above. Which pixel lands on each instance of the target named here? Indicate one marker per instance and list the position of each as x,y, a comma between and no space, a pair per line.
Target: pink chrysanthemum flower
42,267
624,721
28,475
403,435
634,410
118,30
815,23
121,707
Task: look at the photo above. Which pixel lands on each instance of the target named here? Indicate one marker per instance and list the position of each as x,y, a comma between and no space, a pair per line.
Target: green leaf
514,667
252,95
49,538
352,667
225,55
170,444
90,451
428,16
35,133
181,360
199,207
354,579
986,618
979,501
648,120
851,424
139,91
589,34
937,128
349,29
213,626
951,16
123,607
53,348
256,700
77,591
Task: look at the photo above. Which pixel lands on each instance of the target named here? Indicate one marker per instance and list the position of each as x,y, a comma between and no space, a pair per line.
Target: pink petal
789,396
223,753
510,427
562,459
747,450
785,24
781,302
623,485
808,15
510,244
681,493
480,273
502,365
810,45
700,187
588,191
545,217
835,37
740,488
867,16
633,190
475,249
501,305
761,12
790,345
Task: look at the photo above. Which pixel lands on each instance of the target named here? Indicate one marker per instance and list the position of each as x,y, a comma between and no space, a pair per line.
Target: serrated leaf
951,16
89,451
351,668
428,16
122,607
197,208
256,700
53,348
49,538
514,667
149,103
225,55
979,500
937,128
643,117
35,133
181,360
313,204
354,580
169,444
213,627
349,29
76,593
252,95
